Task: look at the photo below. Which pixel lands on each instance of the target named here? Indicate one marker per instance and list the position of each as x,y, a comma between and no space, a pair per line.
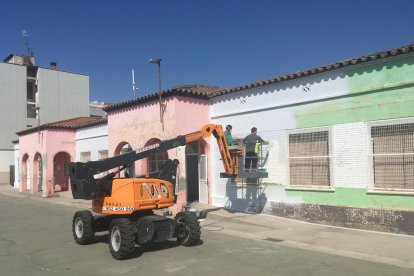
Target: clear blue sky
223,43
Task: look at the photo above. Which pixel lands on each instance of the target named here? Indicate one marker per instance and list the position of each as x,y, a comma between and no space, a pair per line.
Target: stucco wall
139,124
91,139
47,143
342,102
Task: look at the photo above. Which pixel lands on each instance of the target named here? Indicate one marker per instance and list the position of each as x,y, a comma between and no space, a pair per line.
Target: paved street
36,239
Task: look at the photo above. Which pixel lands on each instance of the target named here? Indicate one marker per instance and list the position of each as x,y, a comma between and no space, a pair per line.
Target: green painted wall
385,91
383,74
354,197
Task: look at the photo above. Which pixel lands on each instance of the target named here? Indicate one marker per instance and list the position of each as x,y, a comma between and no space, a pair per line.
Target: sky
224,43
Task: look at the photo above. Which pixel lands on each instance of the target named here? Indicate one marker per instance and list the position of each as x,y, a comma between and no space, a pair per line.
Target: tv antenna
134,87
29,50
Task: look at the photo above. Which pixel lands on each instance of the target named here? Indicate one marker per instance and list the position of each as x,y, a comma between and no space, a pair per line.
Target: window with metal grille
393,156
309,159
156,161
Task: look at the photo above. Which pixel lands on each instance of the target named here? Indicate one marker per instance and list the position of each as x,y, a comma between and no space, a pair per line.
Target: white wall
350,167
271,108
272,103
92,139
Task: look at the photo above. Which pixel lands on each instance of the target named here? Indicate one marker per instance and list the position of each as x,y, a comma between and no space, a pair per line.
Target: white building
92,142
341,143
31,95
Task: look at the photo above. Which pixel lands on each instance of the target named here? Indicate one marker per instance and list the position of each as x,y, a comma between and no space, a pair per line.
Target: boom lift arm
85,186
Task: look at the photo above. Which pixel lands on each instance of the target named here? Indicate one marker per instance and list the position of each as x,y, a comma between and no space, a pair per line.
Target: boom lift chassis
125,206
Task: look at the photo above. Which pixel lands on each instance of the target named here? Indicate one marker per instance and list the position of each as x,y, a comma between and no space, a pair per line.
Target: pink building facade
44,153
136,124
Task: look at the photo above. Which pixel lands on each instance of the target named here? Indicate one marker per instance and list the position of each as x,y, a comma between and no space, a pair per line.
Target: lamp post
162,106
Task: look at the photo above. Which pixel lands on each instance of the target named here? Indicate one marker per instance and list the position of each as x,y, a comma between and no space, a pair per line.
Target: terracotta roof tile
71,124
196,90
320,69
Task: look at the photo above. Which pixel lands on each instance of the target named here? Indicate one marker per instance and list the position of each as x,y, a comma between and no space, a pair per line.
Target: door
202,179
192,177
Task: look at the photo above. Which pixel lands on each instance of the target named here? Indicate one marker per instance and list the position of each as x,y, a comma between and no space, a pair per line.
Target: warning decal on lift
158,192
148,190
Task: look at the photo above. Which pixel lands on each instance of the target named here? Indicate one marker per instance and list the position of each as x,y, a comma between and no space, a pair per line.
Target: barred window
156,161
309,159
393,156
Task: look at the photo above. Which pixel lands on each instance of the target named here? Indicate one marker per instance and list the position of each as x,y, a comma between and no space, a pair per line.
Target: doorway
191,169
196,172
60,171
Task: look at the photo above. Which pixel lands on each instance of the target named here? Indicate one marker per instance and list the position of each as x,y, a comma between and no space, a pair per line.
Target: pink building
44,152
138,123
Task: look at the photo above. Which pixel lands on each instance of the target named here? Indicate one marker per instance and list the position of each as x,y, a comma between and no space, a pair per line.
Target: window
393,156
309,159
31,111
85,156
31,91
103,154
156,161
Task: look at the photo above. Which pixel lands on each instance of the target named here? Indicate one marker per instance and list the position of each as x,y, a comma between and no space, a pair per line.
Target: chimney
53,65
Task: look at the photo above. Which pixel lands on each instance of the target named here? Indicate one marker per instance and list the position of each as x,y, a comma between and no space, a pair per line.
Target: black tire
121,238
82,229
187,228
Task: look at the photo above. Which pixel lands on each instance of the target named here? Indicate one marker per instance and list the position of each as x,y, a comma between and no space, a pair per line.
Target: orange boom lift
126,205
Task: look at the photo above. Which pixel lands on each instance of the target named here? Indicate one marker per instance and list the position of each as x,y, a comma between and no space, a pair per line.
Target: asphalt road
36,239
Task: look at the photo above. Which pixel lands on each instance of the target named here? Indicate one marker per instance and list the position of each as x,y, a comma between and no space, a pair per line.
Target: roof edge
322,69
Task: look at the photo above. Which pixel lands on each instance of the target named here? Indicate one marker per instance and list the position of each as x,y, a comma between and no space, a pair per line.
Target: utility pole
162,105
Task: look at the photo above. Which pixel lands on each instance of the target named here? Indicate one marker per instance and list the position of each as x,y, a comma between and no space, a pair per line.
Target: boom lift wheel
121,238
82,227
187,228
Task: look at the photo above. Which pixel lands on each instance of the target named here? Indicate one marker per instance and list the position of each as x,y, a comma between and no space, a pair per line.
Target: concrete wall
12,112
62,95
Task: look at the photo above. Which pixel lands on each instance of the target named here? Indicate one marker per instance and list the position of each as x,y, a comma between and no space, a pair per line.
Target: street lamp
162,106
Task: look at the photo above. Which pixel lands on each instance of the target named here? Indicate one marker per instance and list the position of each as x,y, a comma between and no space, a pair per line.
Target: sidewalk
378,247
